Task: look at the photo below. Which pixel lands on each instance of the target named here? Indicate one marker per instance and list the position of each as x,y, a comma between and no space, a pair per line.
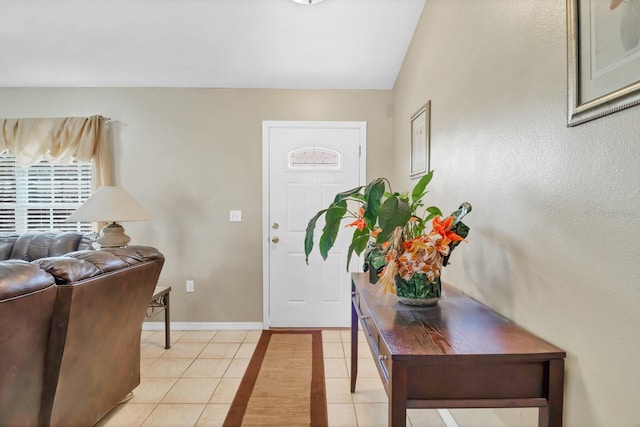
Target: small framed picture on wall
420,140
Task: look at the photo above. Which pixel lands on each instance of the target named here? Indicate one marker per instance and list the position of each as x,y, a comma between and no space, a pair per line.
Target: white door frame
266,126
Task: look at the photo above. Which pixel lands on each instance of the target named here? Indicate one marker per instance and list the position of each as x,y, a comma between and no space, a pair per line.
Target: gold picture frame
420,141
603,58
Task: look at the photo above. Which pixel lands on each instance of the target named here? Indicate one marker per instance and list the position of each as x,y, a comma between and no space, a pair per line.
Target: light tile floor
194,382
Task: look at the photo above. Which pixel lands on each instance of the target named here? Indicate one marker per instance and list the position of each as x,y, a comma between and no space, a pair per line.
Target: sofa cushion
32,246
21,246
64,242
18,277
126,254
6,245
148,253
67,269
104,260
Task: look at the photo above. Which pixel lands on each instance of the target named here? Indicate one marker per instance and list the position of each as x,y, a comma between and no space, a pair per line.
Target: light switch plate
235,216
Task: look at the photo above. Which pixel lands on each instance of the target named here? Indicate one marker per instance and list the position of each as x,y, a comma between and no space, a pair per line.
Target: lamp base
112,236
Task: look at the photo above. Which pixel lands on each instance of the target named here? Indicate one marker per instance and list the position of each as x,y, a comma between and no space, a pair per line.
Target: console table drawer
379,351
384,360
495,380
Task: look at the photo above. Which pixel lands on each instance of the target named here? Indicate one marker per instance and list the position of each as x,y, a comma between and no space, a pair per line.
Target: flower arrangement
393,228
409,254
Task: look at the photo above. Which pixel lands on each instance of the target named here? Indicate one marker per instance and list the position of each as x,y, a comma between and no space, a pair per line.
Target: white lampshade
110,204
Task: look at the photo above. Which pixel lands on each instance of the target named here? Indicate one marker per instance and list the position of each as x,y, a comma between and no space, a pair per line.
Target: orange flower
443,229
414,245
442,245
408,246
375,232
360,223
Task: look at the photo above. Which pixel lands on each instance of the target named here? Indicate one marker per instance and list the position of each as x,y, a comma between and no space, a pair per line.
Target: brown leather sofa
70,325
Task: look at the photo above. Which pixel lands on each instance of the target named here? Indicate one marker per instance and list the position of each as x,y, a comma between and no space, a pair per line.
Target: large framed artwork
420,140
603,39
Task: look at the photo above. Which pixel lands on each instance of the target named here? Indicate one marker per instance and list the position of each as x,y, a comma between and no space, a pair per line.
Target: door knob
275,239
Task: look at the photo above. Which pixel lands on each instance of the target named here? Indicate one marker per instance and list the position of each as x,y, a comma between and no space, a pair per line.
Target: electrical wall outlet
235,216
191,286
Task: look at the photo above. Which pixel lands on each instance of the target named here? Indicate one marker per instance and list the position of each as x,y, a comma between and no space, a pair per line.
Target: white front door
306,165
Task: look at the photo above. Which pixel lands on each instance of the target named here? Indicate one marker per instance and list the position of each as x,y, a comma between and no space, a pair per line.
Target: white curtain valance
59,140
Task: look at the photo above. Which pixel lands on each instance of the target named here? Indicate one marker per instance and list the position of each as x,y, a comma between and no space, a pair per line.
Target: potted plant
394,228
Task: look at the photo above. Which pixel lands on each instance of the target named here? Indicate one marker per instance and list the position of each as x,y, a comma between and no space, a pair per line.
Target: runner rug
283,384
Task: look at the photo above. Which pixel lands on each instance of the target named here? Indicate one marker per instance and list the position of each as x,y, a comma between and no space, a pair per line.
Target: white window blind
41,197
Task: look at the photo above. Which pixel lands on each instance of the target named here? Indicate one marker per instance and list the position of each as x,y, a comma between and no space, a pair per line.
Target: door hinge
359,150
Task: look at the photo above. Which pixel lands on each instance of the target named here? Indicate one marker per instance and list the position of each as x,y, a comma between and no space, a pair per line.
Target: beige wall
191,155
555,227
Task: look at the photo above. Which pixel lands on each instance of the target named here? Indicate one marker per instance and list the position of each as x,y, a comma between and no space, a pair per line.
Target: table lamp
112,205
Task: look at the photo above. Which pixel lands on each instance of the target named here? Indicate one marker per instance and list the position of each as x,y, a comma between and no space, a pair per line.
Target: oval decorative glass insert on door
314,158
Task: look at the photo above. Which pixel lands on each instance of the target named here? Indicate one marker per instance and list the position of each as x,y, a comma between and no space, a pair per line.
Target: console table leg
167,322
398,395
551,416
354,347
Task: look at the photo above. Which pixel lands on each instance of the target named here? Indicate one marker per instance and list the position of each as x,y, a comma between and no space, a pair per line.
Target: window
314,158
41,197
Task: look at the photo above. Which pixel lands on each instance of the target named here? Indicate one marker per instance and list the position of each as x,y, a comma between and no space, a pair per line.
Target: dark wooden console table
458,354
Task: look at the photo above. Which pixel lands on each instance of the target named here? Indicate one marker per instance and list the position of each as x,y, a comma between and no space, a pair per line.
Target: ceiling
335,44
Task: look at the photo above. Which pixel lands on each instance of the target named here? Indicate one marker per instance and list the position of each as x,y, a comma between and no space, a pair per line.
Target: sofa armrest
95,343
27,298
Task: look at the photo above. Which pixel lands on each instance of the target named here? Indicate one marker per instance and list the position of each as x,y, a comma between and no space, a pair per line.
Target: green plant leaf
433,212
376,184
420,187
333,217
373,199
346,194
358,244
308,238
394,212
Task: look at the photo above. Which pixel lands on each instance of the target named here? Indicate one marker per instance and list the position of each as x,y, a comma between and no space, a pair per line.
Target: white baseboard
447,418
203,326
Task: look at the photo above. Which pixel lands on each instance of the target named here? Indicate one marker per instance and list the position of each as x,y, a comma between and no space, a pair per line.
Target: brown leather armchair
79,317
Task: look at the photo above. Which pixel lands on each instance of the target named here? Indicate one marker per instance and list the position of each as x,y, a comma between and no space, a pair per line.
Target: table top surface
457,326
160,290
